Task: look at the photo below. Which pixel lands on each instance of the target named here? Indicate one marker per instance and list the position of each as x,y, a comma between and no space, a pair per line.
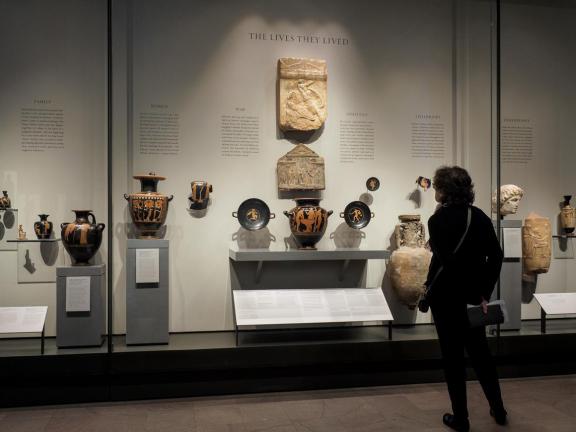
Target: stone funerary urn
409,263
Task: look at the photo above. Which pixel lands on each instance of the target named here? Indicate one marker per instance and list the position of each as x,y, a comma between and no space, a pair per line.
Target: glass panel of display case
536,153
52,158
317,127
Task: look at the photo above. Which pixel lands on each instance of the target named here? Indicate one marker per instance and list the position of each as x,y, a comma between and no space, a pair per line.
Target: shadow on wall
346,237
28,264
49,252
260,239
297,137
416,197
367,198
9,219
529,285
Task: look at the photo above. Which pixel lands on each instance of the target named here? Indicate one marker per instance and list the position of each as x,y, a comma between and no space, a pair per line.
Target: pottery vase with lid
568,215
308,222
43,227
82,238
148,207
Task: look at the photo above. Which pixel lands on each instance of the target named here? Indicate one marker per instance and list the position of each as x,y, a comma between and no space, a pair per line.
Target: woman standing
467,277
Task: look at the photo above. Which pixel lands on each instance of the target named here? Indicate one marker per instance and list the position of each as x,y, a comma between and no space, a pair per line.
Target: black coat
470,274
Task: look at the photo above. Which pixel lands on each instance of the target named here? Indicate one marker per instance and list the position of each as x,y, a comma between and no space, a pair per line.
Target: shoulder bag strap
468,220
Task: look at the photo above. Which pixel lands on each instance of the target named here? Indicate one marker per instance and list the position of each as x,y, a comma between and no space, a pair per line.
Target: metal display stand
147,307
86,327
555,304
345,259
511,283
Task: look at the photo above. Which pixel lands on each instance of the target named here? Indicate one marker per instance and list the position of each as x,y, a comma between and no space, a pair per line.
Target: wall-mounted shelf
344,254
34,240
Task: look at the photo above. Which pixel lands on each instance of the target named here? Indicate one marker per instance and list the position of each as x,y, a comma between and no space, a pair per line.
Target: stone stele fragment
536,244
300,169
301,94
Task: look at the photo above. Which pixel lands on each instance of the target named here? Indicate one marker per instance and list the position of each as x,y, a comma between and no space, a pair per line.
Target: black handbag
496,314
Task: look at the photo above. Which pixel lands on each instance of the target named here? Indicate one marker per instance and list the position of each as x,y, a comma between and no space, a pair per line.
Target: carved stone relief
301,169
410,232
301,94
536,244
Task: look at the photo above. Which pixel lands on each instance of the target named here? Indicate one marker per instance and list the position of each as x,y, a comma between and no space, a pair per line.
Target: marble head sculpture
510,196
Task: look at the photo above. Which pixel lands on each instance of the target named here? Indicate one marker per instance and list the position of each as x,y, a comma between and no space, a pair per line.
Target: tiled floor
534,405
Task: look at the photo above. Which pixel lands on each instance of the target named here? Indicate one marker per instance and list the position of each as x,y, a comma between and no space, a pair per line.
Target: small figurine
21,233
5,202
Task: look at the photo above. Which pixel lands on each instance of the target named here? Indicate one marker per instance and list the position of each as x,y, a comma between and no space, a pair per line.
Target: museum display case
256,110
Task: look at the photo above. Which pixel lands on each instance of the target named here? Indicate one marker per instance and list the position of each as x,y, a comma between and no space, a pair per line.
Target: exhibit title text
303,39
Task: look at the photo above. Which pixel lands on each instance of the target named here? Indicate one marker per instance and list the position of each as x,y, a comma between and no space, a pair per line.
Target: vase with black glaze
43,227
308,222
148,207
83,237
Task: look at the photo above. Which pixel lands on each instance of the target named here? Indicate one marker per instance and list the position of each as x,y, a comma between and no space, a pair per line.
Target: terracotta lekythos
5,200
410,261
148,207
568,215
200,195
536,244
308,222
83,237
301,94
43,227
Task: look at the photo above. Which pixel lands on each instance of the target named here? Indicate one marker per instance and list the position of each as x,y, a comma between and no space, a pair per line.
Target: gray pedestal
79,329
147,319
511,284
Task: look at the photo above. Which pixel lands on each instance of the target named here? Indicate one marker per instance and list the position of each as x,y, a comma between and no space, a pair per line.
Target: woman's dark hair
454,184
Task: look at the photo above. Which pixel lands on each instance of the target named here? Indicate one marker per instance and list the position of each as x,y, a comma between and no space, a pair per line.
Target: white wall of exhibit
391,72
395,67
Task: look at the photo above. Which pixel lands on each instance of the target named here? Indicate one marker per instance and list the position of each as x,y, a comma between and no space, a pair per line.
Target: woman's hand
484,305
